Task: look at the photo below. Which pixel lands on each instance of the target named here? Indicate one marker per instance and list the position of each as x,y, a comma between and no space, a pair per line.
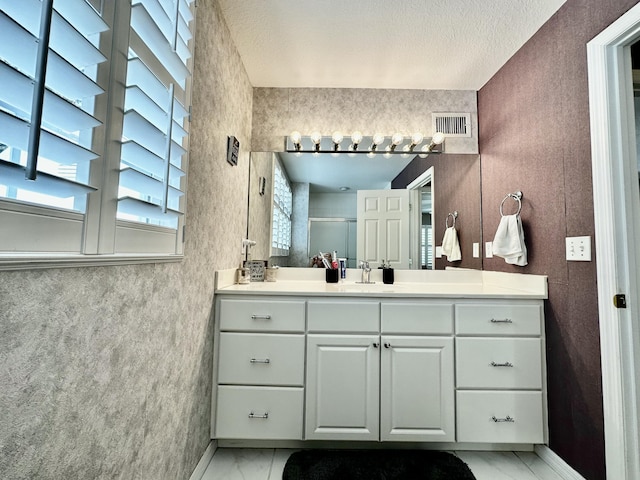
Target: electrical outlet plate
488,248
476,250
578,249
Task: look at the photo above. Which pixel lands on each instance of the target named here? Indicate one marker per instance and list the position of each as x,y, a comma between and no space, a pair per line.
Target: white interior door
383,227
617,228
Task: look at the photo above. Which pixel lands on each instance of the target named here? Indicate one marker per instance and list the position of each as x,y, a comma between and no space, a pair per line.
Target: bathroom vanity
454,357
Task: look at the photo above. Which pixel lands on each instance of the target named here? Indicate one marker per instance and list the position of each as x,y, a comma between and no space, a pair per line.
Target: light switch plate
488,248
476,250
578,249
439,251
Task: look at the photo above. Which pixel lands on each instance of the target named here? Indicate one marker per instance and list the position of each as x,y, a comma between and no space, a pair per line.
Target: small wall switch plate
438,251
488,248
578,249
476,250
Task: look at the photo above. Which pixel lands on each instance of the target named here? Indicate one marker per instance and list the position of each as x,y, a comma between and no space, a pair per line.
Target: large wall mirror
318,193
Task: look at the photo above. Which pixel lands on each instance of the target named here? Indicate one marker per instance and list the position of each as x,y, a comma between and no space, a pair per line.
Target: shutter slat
138,157
136,99
140,208
13,175
137,128
80,14
15,133
139,182
70,44
139,75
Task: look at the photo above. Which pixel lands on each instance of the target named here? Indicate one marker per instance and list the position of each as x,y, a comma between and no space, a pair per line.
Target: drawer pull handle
501,320
260,317
253,415
507,419
505,364
258,360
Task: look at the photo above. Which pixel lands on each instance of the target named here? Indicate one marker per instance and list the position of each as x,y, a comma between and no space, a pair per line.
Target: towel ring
453,215
517,196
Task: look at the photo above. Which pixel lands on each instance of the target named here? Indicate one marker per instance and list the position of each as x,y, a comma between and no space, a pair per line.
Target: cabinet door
417,389
342,401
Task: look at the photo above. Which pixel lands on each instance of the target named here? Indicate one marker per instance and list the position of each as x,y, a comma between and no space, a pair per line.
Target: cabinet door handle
507,419
253,415
501,320
260,317
505,364
376,345
387,345
258,360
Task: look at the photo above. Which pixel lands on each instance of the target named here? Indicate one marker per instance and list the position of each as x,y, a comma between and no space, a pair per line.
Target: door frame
616,211
420,181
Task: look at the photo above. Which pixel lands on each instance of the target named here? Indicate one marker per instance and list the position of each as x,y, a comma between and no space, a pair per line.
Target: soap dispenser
243,275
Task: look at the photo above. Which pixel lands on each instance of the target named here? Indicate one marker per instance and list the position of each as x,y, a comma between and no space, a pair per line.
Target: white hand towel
509,241
450,245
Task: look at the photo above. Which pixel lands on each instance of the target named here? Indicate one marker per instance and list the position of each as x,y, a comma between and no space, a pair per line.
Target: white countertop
452,283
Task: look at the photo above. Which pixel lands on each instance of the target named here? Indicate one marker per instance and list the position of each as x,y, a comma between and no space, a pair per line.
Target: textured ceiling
415,44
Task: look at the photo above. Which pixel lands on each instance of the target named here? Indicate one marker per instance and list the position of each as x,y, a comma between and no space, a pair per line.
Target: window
88,166
282,206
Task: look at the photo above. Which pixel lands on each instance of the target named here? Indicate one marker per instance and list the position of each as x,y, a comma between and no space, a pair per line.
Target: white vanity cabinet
500,372
260,371
392,380
459,369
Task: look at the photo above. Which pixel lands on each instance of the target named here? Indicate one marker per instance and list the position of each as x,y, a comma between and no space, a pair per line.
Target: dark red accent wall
534,136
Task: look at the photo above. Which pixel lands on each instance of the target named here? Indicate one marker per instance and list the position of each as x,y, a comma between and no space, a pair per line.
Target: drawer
343,316
417,317
262,315
498,363
259,413
498,319
261,359
500,417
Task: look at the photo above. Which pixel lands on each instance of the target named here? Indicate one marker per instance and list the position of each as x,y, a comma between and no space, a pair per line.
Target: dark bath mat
375,465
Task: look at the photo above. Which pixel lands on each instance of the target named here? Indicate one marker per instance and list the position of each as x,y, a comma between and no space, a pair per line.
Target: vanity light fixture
378,143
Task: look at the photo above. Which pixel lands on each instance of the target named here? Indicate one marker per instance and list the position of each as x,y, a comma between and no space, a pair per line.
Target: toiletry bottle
242,275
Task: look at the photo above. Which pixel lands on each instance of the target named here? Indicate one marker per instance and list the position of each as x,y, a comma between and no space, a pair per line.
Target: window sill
32,262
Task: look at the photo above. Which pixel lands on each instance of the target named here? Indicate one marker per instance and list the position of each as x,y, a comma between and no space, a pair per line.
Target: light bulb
378,138
397,139
316,137
356,137
416,138
295,137
337,137
438,138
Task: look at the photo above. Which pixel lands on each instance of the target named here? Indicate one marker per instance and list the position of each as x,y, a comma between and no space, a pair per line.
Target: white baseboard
561,467
198,472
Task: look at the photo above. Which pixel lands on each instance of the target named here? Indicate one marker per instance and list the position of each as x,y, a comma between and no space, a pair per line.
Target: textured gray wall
105,372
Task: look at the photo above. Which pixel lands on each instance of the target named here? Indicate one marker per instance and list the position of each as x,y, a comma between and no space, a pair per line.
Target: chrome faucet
366,272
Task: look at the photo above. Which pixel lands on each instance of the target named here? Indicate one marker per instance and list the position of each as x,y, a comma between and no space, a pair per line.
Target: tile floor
267,464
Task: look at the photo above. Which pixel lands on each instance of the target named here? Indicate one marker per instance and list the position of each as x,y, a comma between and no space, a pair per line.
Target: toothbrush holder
387,276
332,275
